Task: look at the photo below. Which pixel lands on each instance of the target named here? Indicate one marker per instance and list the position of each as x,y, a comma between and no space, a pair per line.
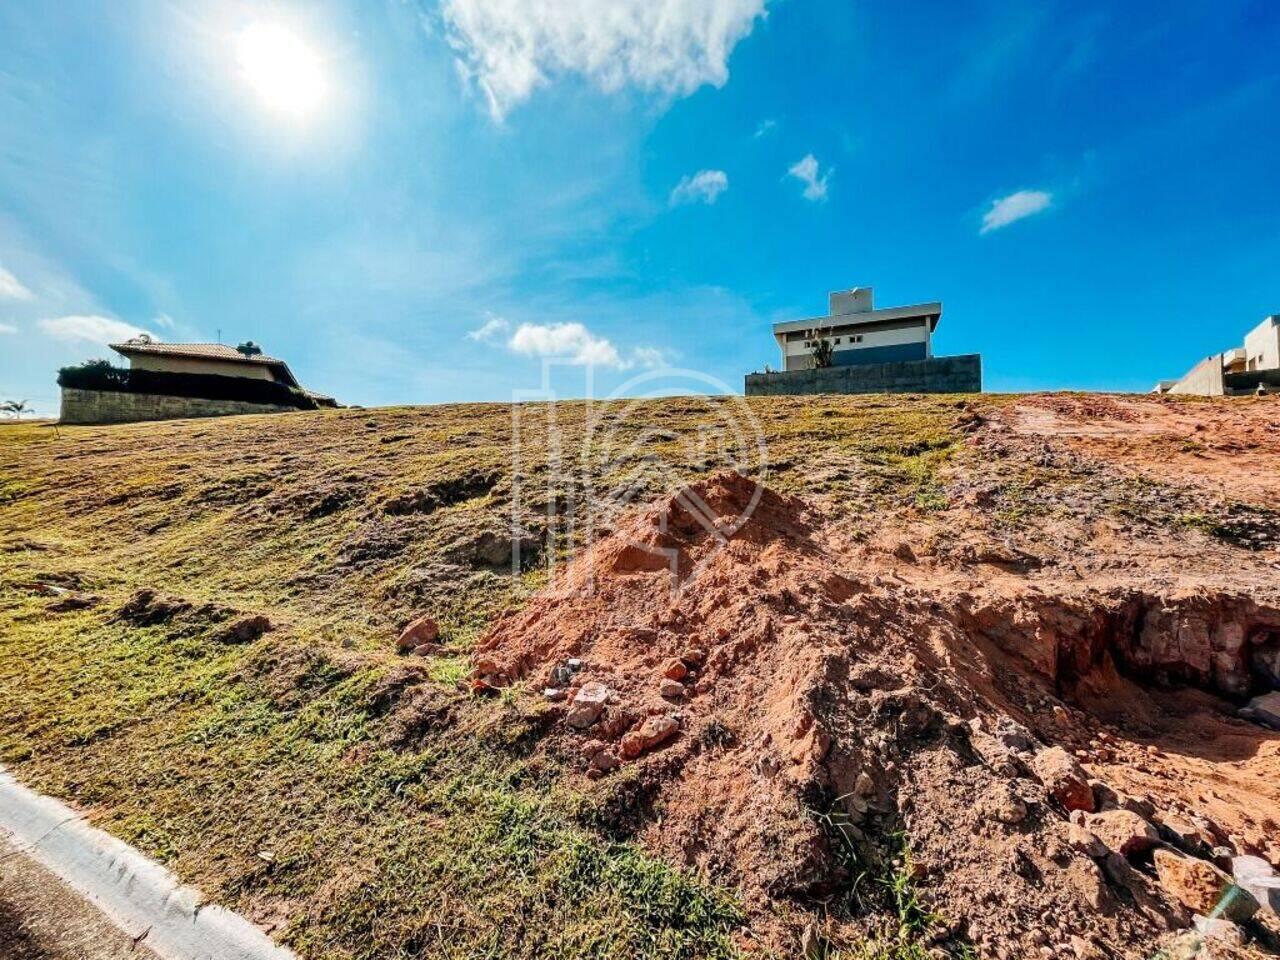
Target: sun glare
281,69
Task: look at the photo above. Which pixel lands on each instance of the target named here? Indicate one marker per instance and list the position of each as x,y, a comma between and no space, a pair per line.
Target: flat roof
930,310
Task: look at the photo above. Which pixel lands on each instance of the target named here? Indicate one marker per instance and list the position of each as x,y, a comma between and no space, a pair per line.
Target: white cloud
163,320
11,288
8,328
766,127
703,187
1015,207
490,330
509,48
650,357
566,341
91,328
806,171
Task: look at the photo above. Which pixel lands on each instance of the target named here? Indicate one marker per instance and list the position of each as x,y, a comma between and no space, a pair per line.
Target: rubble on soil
828,713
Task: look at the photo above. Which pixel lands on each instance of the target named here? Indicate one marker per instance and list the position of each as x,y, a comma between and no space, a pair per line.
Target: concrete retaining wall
105,406
959,374
1204,379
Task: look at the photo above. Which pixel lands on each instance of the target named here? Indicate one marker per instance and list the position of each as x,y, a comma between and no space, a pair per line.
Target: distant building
1235,372
167,381
215,359
888,350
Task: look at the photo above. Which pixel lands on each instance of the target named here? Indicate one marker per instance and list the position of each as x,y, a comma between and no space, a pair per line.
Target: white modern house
859,333
1240,370
859,348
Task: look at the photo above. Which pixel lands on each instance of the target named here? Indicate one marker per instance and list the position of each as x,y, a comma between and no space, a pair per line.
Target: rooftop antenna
219,334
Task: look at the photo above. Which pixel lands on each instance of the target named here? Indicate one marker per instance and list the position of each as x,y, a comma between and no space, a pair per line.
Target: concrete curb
139,896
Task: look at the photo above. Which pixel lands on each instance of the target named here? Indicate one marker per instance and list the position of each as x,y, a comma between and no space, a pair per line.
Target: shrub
101,375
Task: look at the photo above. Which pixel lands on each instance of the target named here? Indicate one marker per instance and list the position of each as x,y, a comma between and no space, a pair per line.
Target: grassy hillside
354,800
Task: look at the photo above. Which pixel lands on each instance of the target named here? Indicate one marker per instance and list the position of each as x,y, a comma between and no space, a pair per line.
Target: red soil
839,696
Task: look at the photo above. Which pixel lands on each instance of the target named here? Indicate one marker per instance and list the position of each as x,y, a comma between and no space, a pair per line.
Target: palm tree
16,408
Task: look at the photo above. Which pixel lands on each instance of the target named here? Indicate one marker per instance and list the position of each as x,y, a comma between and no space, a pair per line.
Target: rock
651,733
1202,887
1084,950
1264,710
1065,779
554,693
694,657
588,704
1146,894
864,786
426,650
1185,835
244,630
675,670
1083,839
1122,831
1087,880
605,761
1260,879
672,689
591,747
420,631
1104,797
999,802
1223,931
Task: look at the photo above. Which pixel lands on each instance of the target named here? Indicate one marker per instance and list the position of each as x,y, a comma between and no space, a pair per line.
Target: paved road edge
141,897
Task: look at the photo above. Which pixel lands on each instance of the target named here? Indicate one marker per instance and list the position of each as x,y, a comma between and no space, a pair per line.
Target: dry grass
360,806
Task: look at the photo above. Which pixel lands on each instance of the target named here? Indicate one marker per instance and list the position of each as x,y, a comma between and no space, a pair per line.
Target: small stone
1000,803
554,693
420,631
1065,779
1223,931
1184,835
1083,839
591,747
1084,950
1122,831
694,657
588,704
1264,710
864,786
672,689
426,650
574,664
675,670
651,733
605,761
1202,887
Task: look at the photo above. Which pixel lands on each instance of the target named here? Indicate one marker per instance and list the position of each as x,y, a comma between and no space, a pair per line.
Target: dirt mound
833,737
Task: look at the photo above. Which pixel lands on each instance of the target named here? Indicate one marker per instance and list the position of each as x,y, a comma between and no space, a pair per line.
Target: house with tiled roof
215,359
167,381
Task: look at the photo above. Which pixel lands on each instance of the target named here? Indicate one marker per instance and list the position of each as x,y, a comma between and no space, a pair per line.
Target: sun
284,72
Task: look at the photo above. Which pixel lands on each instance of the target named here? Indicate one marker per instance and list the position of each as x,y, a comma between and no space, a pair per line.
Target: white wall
870,338
222,368
1262,346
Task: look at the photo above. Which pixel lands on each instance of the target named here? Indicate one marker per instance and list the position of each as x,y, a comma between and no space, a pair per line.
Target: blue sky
416,202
